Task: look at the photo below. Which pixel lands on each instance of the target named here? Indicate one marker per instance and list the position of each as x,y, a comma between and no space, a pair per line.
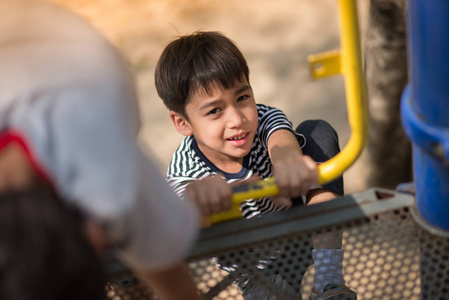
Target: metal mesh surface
387,255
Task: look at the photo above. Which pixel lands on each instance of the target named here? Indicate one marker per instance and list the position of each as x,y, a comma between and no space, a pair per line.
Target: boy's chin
240,154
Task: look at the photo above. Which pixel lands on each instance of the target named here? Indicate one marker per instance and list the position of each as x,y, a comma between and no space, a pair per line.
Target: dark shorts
321,145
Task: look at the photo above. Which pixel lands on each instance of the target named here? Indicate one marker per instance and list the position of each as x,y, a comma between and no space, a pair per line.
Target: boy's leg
322,144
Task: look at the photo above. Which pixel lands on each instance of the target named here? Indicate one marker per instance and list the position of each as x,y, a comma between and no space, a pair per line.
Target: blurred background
274,36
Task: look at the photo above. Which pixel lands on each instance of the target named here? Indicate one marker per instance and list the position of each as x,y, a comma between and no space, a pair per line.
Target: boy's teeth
237,138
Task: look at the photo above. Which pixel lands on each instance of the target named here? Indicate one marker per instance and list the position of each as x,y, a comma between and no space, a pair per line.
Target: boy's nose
236,118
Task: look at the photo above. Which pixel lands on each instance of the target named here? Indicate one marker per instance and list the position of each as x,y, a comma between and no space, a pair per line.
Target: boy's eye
242,98
213,111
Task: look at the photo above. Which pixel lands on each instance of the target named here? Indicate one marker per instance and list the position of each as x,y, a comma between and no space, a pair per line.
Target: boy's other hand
281,201
212,194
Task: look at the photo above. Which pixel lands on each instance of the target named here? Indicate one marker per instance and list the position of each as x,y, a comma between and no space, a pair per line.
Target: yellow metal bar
258,189
349,63
324,64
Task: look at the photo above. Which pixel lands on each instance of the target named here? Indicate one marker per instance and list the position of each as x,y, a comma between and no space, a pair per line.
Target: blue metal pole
425,107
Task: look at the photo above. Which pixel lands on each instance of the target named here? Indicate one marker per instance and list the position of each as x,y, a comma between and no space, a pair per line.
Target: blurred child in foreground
73,178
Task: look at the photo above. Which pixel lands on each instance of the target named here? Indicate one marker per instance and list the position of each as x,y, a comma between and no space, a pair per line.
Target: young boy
68,143
203,80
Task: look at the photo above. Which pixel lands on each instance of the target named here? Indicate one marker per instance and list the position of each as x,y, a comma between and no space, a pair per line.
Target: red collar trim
13,136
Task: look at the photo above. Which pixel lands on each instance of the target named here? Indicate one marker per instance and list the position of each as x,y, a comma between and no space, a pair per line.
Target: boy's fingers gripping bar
254,190
258,189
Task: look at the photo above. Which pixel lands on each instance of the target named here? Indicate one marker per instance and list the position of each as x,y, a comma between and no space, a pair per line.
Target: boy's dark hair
43,252
197,61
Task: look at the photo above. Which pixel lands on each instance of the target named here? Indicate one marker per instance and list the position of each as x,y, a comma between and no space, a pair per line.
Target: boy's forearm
320,195
283,144
294,172
174,283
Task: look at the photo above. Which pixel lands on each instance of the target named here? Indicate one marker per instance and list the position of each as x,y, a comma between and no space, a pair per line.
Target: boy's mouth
239,140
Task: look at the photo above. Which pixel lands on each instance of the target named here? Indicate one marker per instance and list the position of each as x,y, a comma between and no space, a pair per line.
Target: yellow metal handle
350,63
347,62
257,189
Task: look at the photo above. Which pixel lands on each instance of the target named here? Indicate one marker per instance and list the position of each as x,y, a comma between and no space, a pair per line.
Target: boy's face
224,123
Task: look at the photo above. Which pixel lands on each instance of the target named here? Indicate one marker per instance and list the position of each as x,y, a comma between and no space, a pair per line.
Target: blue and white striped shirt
189,163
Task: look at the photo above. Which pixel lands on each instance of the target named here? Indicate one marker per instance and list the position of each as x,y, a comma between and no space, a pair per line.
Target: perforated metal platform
387,254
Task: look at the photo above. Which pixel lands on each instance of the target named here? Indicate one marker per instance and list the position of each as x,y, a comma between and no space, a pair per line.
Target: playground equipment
347,62
425,109
395,247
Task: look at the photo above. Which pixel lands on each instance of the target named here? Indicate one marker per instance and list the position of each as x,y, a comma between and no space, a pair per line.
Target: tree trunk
387,158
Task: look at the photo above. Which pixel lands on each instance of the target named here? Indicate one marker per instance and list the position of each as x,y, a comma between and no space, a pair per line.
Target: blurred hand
281,201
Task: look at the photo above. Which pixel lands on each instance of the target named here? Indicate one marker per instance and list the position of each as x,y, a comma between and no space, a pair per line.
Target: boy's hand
295,175
212,194
281,201
294,172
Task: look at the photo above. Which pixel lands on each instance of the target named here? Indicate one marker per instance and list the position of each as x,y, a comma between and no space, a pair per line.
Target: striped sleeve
272,119
185,167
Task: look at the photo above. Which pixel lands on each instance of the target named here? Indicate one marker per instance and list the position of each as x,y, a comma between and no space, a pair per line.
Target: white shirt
69,94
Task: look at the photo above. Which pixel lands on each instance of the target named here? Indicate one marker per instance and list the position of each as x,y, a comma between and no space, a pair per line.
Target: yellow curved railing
347,62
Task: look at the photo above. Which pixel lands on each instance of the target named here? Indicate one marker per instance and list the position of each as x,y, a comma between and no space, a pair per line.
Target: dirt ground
274,36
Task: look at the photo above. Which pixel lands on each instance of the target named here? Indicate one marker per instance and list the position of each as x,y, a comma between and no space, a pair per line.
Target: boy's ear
181,124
